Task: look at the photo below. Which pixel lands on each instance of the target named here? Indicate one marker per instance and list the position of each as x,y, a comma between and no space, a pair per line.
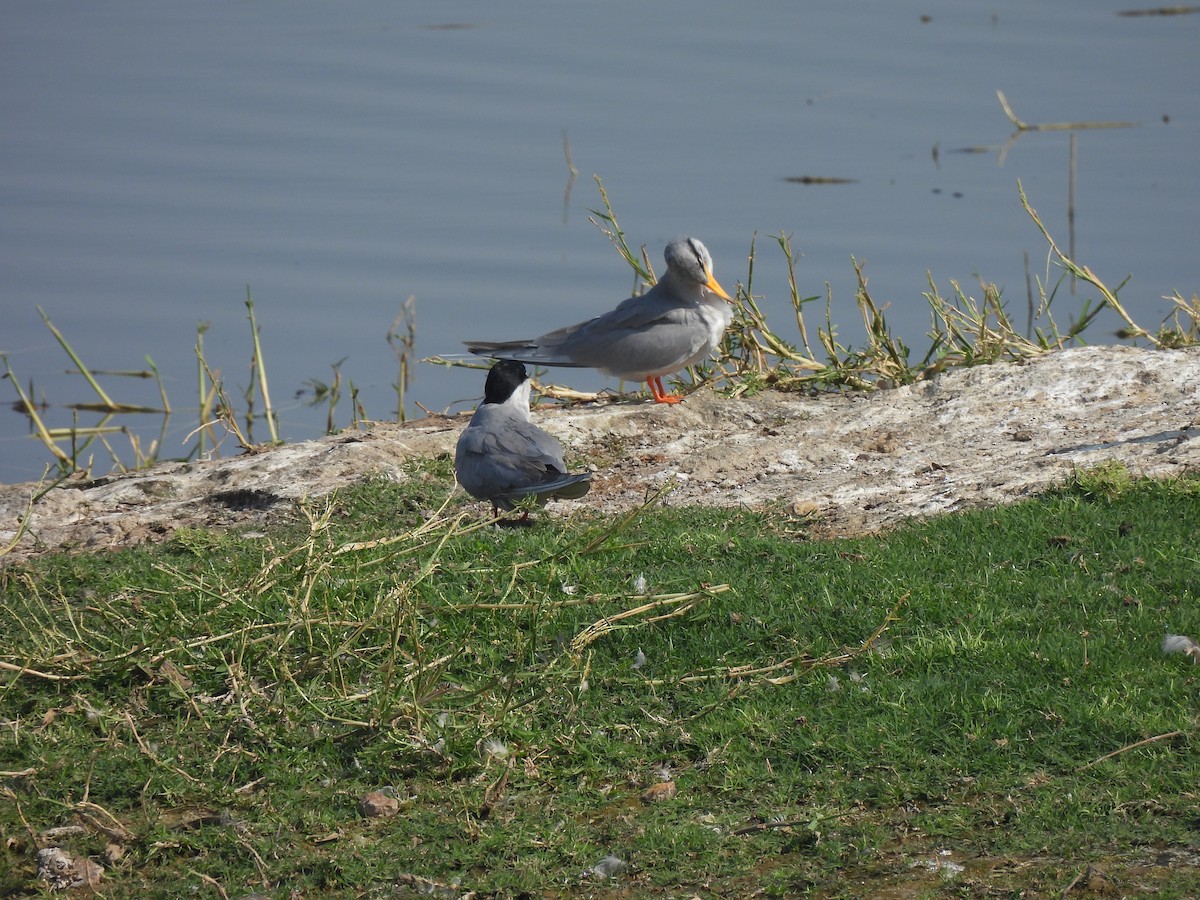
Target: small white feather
609,867
1181,643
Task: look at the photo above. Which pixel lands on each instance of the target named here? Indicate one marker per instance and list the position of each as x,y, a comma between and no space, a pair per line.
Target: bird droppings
60,871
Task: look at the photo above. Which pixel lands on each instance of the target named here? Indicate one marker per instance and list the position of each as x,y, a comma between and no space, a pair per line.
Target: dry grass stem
152,756
678,604
402,337
1150,740
30,409
48,676
225,414
259,367
83,369
1054,126
800,664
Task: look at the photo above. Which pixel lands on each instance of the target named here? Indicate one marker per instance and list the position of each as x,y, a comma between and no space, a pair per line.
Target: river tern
675,324
502,457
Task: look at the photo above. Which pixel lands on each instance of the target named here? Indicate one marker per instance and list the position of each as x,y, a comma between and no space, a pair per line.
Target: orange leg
659,392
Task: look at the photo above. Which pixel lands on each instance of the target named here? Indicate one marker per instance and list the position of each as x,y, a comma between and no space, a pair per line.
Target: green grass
834,714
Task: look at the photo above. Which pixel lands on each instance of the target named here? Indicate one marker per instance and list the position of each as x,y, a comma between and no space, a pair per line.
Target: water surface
159,159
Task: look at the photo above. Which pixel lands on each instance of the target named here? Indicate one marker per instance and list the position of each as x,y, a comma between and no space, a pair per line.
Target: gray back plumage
674,324
501,456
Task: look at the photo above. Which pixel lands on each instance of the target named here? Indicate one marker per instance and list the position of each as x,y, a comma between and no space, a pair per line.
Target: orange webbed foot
659,392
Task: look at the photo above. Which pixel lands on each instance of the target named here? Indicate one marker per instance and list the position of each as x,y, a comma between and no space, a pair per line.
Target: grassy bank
390,695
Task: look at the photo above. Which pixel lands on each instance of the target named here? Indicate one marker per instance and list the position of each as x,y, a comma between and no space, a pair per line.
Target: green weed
832,714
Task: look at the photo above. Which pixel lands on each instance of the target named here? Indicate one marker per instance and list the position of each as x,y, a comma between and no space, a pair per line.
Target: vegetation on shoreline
964,330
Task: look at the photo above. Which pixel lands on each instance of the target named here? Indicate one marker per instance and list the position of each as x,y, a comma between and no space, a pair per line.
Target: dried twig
208,879
678,604
1161,11
766,826
799,664
152,756
1133,746
25,670
1054,126
97,818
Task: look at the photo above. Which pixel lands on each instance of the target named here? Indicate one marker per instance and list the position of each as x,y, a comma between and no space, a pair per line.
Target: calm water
158,159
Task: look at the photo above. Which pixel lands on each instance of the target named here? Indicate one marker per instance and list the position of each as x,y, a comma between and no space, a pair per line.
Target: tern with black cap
502,457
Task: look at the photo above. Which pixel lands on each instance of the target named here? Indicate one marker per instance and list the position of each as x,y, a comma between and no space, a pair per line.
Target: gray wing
568,487
498,455
582,344
523,351
639,338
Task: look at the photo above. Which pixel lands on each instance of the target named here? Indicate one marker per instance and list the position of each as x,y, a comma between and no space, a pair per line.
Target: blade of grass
611,229
260,368
39,426
83,369
1085,274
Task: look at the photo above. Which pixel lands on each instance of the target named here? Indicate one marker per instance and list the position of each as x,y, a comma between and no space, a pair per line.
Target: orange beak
716,288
